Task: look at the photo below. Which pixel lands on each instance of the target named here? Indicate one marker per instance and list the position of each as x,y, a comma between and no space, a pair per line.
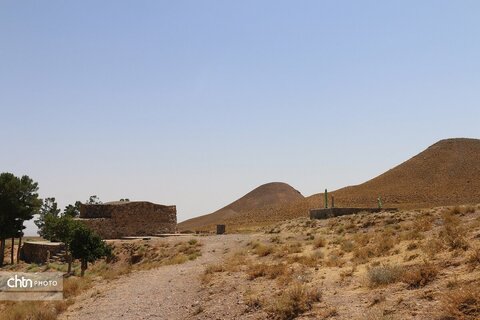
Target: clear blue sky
195,103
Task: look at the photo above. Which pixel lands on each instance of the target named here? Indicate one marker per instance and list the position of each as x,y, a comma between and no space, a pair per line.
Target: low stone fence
40,252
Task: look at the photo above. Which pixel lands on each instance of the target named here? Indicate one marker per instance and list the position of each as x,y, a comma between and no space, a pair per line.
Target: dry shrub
335,259
432,247
361,239
474,258
412,246
295,247
293,302
29,310
235,261
210,271
378,313
265,270
419,275
213,268
379,245
320,242
347,245
347,273
423,223
384,274
311,260
453,233
361,254
462,303
276,239
460,210
412,234
74,285
383,243
253,301
264,250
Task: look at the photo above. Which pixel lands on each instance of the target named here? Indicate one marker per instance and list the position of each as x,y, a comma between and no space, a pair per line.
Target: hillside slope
267,195
446,173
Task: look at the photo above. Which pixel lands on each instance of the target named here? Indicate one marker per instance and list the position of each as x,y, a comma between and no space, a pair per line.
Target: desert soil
169,292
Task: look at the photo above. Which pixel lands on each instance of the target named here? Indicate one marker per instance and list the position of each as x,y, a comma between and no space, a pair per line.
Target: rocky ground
168,292
414,264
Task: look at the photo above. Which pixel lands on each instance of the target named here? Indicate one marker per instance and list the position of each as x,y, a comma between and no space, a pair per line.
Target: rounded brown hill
267,195
446,173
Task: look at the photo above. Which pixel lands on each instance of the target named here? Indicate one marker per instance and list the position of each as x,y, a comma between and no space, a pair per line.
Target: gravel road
169,292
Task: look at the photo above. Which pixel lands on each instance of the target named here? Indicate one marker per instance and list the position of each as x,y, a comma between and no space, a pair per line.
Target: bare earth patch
167,292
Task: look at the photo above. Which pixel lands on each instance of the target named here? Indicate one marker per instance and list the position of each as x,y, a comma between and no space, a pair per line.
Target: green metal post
379,202
326,199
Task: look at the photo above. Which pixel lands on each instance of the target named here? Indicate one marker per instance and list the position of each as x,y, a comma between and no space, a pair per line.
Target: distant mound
446,173
267,195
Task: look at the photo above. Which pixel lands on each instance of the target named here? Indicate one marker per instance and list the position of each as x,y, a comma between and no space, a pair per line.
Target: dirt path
170,292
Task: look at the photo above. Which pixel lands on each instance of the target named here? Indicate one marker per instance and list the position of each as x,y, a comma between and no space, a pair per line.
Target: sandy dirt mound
267,195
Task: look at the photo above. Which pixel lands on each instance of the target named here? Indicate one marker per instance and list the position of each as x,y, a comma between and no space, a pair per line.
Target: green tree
18,202
94,200
61,229
72,210
48,208
88,247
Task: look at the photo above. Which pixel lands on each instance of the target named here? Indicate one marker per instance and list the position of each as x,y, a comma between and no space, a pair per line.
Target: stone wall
120,219
40,252
335,212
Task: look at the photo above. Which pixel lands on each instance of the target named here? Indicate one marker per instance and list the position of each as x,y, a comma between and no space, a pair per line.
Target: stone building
114,220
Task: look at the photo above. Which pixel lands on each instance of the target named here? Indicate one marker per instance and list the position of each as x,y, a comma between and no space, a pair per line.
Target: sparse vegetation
293,302
122,262
419,275
384,274
452,233
462,303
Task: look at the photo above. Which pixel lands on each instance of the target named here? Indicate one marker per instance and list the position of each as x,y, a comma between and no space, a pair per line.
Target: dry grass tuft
460,210
432,247
265,270
420,275
384,274
474,258
29,310
452,232
293,302
462,303
264,250
319,242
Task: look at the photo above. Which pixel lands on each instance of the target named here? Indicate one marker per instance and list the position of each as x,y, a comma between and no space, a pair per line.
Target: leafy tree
18,202
48,208
61,229
72,210
94,200
88,247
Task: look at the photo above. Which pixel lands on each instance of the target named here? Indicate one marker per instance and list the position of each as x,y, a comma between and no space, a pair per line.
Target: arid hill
267,195
446,173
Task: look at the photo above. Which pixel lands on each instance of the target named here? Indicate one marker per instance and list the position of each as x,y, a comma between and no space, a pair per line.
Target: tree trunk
2,251
12,252
69,260
19,247
83,267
